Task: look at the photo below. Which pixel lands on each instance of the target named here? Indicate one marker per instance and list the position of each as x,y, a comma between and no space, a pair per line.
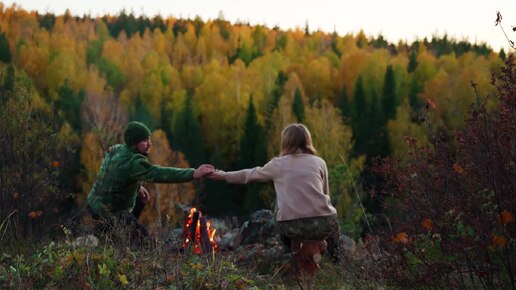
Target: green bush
31,161
454,224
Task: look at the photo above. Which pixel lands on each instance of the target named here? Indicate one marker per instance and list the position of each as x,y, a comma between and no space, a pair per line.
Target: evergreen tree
361,39
187,133
68,107
441,45
358,115
412,65
142,114
415,102
502,55
179,27
9,78
298,108
141,24
162,24
47,21
379,42
272,102
377,138
252,144
334,47
252,153
343,104
128,23
389,95
221,198
307,30
5,52
167,115
197,22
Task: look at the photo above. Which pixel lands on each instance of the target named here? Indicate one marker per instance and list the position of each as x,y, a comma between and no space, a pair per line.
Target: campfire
198,234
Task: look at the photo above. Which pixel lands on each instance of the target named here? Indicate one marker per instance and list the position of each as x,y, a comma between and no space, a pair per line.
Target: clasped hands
209,171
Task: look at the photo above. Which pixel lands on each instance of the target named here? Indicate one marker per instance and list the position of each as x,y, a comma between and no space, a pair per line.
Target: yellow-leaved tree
152,88
222,101
331,137
282,115
401,129
34,57
91,156
334,142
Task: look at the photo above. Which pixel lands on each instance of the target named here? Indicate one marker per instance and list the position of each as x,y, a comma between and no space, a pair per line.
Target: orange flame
194,237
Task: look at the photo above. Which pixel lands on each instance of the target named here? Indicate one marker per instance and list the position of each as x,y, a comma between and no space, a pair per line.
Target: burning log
198,234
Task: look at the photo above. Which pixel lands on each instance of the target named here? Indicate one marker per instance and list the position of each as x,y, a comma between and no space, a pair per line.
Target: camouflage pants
314,228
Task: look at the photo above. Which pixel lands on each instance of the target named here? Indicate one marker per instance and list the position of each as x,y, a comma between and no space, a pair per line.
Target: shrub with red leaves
452,208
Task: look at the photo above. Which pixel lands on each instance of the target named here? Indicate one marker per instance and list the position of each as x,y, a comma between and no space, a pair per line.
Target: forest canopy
220,92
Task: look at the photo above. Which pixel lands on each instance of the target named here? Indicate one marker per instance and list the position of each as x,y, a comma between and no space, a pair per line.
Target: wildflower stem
360,202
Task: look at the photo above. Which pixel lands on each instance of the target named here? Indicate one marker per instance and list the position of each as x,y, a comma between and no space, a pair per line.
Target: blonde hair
295,138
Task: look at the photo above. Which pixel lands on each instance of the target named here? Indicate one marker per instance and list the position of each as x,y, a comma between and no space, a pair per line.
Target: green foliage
94,51
442,46
158,58
67,265
210,273
5,51
412,61
246,53
8,82
376,134
389,99
47,21
345,200
31,161
223,199
334,46
179,27
466,238
260,39
343,104
69,104
142,114
359,117
253,153
298,108
379,42
274,97
502,54
111,72
124,22
187,132
281,43
415,102
252,143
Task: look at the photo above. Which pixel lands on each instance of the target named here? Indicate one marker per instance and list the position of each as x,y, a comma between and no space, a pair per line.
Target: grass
67,265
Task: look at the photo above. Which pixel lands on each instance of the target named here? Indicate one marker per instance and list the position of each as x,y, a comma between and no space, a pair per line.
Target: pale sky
395,19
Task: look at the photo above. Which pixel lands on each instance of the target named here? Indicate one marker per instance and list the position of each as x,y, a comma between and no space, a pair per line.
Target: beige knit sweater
300,181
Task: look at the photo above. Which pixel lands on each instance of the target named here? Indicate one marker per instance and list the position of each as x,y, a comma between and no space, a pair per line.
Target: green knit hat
135,132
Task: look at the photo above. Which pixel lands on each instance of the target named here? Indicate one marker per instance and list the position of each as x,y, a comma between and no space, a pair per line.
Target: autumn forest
220,93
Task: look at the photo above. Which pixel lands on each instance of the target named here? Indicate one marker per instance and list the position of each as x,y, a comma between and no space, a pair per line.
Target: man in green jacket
117,196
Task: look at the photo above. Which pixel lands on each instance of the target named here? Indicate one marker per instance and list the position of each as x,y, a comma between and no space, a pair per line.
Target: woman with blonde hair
304,209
